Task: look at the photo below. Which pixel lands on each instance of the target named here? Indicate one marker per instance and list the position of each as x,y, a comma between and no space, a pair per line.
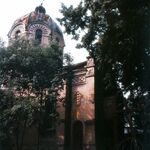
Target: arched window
38,35
17,34
57,39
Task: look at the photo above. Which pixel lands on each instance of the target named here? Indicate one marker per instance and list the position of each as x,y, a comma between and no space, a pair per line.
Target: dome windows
17,34
57,40
38,36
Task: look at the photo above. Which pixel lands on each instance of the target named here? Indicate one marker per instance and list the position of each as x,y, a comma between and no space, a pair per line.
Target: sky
13,9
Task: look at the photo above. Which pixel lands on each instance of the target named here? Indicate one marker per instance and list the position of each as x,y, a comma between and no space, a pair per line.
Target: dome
37,18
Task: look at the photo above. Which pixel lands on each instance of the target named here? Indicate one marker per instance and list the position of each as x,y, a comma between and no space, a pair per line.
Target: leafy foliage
30,78
116,34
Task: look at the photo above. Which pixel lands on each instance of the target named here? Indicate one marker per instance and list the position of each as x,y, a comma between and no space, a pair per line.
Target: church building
40,27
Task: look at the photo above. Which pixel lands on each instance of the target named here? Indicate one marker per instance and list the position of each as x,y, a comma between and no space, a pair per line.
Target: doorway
78,135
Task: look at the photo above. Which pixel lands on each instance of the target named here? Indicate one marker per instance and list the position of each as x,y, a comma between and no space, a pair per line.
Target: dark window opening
17,34
57,40
38,35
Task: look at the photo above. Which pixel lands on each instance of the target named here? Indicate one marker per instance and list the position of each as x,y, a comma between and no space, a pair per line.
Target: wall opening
78,135
17,34
38,36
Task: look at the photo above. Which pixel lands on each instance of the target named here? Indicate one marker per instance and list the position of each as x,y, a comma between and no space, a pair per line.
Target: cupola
38,26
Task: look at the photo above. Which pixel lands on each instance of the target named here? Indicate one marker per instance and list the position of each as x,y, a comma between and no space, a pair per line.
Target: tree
116,34
32,76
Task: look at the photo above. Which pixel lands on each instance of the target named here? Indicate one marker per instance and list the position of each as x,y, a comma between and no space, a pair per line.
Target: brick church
39,26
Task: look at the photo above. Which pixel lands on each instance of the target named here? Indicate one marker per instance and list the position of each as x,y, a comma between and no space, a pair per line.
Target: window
17,34
57,39
38,35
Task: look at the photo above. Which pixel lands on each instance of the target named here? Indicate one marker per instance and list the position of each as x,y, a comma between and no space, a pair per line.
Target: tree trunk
23,133
103,127
146,142
99,113
38,139
68,112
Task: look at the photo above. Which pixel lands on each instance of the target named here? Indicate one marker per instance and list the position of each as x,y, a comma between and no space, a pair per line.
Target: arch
78,135
38,35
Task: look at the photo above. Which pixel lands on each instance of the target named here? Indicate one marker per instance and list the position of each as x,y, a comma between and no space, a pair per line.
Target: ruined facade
82,107
40,27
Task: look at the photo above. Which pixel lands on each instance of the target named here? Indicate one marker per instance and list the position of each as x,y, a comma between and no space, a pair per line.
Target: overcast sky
12,9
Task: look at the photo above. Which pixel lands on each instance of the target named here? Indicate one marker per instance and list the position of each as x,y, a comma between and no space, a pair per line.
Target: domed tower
36,26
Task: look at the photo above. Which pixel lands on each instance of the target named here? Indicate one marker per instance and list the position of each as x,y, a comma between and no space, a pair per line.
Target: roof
37,16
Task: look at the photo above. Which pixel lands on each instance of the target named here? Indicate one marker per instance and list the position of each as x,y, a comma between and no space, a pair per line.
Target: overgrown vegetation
117,35
30,80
